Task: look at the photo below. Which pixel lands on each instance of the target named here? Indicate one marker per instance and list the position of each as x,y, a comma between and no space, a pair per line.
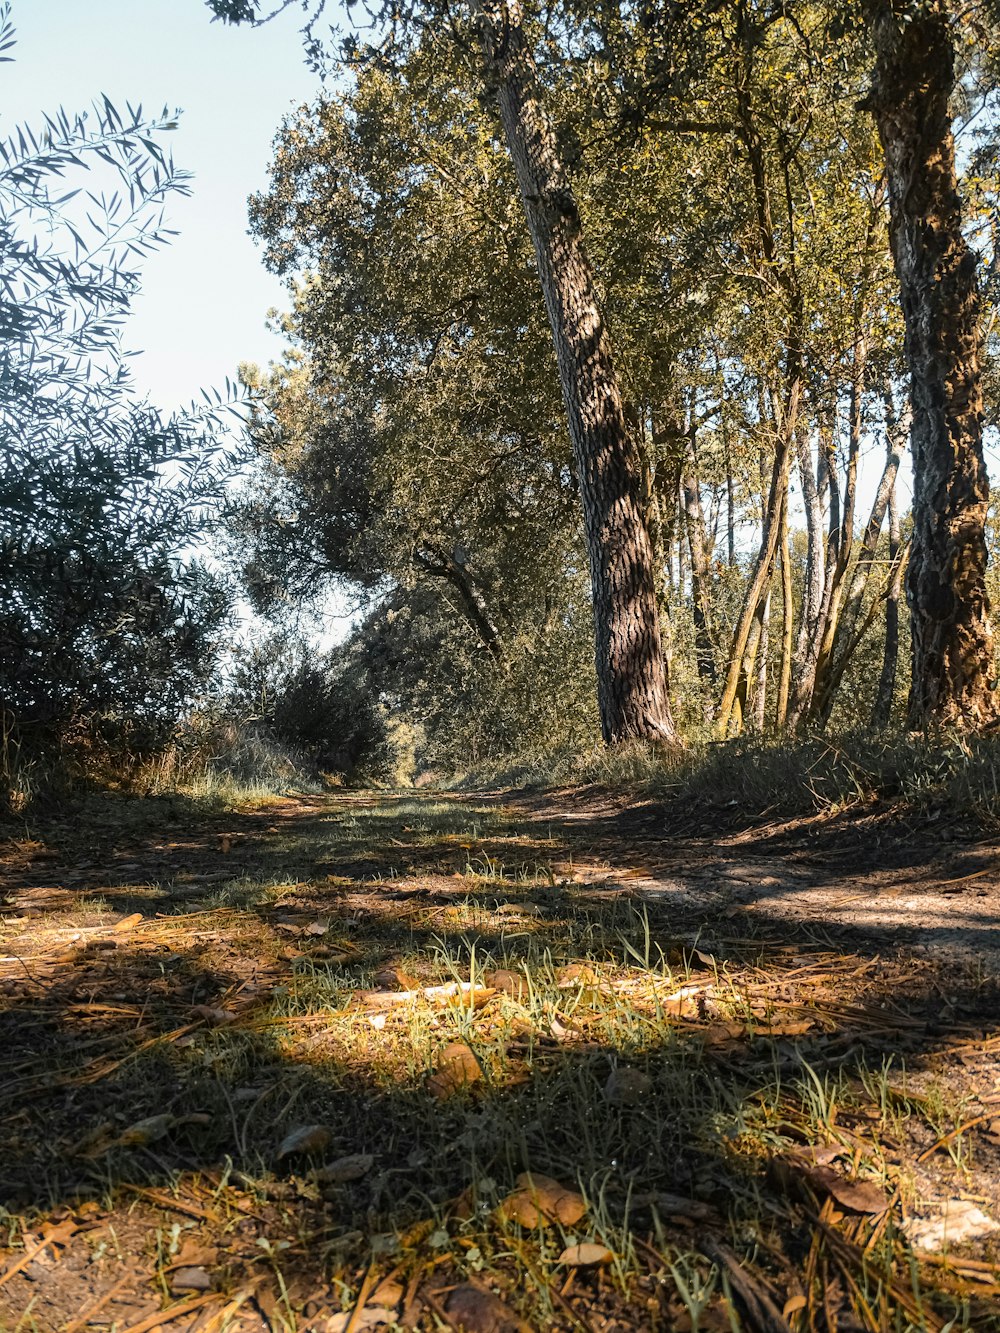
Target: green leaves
105,620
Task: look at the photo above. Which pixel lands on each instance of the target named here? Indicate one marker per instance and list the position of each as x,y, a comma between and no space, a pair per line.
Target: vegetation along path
496,1061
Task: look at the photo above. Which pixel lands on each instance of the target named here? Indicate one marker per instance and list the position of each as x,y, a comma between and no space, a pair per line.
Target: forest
499,806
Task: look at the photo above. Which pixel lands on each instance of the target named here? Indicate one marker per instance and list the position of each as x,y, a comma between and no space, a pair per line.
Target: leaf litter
178,1041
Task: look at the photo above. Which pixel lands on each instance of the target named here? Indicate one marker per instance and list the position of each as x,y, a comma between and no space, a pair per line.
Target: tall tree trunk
826,581
631,675
824,684
952,641
808,634
764,568
760,685
730,508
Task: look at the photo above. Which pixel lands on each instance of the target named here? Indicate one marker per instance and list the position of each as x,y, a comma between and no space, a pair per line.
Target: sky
205,297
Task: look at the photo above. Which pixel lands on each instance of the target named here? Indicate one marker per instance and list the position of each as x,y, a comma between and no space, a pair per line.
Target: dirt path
871,878
228,1107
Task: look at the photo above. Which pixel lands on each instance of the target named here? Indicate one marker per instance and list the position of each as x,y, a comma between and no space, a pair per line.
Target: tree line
613,330
757,262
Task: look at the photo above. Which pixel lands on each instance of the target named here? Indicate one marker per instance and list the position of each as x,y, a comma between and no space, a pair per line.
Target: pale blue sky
204,297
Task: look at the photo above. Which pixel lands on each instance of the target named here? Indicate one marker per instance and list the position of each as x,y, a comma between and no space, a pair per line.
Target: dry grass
182,996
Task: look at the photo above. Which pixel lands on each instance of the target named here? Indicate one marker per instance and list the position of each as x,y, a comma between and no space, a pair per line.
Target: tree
411,442
953,670
632,691
103,622
631,679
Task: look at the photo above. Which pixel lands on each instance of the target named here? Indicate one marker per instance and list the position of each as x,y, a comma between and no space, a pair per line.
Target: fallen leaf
858,1196
307,1138
388,1292
793,1305
723,1034
146,1131
576,974
190,1279
455,1068
127,923
585,1255
511,983
685,1003
819,1154
194,1255
959,1221
215,1017
791,1027
318,927
474,1311
627,1086
539,1200
562,1032
372,1316
344,1169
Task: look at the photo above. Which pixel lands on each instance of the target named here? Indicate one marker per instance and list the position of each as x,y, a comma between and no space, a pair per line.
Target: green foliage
108,626
320,706
411,445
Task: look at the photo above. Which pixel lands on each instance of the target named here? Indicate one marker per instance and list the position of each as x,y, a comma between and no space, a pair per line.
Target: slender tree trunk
823,684
812,596
952,642
760,684
882,710
764,567
631,675
847,638
704,640
820,560
787,619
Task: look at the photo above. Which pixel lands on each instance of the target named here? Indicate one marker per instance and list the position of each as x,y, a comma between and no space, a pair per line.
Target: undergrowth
755,778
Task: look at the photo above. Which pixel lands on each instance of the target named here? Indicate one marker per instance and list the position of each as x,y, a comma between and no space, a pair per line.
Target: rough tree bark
952,642
631,674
